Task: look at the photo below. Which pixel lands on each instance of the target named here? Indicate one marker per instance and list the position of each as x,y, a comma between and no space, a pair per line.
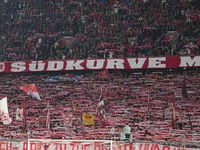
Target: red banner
100,64
169,36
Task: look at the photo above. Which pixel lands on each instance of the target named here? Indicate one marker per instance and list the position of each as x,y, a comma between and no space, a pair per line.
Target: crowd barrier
94,145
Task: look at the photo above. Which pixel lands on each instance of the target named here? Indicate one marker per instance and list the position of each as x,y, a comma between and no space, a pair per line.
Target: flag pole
174,114
100,95
99,100
148,102
83,131
48,117
190,121
24,116
184,88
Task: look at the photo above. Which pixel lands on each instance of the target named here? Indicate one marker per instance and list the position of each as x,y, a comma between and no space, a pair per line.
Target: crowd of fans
143,101
35,29
84,29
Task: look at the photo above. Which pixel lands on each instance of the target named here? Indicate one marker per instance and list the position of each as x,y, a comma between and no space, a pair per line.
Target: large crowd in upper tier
84,29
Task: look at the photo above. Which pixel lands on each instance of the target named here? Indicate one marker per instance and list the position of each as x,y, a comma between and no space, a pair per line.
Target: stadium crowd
143,101
83,29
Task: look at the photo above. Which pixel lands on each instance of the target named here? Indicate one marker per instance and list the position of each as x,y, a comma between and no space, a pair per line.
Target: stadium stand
145,102
83,29
56,29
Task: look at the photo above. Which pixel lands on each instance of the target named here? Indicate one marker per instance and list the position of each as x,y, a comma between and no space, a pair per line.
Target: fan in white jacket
127,132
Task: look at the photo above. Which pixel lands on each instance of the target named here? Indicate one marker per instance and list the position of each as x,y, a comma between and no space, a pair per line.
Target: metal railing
119,136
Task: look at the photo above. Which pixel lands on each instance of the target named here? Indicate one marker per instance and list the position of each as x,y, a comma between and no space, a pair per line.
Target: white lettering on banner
36,66
156,62
133,64
72,65
115,64
188,61
110,63
99,64
55,65
18,66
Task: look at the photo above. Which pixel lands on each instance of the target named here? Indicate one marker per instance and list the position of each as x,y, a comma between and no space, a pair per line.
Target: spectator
127,132
112,131
35,30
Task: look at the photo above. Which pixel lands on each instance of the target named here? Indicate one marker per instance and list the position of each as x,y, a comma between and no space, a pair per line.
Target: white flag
19,114
4,115
101,110
68,119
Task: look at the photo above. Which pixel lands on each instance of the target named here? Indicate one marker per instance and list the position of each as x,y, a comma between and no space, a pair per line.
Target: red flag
48,117
104,74
24,117
31,89
184,88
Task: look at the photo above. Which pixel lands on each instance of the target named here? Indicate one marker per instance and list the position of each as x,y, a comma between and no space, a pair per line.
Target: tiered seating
144,102
34,30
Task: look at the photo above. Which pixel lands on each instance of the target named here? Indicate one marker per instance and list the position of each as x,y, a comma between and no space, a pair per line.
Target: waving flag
60,78
73,108
4,115
67,119
53,79
76,78
19,114
101,110
100,113
31,89
104,74
88,119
